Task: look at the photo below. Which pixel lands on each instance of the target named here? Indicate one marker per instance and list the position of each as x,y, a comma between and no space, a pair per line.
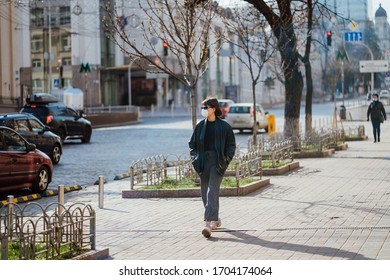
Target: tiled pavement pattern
330,208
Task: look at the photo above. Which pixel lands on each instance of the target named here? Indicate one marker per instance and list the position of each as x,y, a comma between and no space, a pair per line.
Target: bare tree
185,27
253,46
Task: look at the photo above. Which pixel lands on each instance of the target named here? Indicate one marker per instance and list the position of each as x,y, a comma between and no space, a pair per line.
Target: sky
375,6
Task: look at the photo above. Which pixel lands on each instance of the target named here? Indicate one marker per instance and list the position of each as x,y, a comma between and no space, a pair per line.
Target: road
112,150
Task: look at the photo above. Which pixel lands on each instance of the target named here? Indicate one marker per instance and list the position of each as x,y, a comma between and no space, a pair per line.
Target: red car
21,164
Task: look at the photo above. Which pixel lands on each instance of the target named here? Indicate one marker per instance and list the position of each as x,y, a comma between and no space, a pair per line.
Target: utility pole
50,55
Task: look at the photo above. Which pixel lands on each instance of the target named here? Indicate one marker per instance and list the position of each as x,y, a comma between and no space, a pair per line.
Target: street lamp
129,78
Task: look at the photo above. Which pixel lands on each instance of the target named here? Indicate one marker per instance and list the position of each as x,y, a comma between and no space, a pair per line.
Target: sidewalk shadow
245,238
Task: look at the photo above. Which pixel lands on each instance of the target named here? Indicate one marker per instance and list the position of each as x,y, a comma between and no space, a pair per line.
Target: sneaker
207,230
216,224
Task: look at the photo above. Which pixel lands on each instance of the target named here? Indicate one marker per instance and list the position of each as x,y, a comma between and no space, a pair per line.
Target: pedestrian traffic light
329,38
165,47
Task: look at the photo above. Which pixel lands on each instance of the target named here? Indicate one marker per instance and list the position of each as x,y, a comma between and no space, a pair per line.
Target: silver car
241,117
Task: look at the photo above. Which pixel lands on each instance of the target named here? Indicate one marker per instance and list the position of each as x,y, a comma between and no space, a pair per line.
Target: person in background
212,147
377,112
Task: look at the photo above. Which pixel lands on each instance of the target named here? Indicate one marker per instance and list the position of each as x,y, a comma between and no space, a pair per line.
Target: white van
241,117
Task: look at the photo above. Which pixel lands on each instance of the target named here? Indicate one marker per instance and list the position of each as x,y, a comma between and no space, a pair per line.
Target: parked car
224,104
241,117
384,94
34,131
21,164
62,119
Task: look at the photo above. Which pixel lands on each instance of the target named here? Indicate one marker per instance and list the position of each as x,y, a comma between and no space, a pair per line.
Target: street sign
342,56
156,75
56,82
353,36
353,25
370,66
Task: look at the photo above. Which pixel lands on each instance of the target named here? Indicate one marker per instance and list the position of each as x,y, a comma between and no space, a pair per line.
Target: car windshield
36,111
239,109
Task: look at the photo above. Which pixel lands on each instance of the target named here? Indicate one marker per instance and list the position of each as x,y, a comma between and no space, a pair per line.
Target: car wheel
87,135
41,181
62,134
56,154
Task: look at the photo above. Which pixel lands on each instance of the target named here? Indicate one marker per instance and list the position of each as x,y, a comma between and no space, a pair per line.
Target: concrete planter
324,153
195,192
340,147
281,170
356,138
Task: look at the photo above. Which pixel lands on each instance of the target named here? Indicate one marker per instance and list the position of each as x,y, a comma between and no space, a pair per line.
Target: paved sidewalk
331,208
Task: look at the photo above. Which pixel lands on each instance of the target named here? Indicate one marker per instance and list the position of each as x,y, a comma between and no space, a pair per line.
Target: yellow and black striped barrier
31,197
66,189
24,198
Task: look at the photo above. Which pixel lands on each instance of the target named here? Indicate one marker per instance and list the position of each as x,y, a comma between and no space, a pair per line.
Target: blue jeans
210,182
376,125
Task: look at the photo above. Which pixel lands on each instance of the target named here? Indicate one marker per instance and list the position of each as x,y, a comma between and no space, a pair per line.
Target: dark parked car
62,119
21,164
35,132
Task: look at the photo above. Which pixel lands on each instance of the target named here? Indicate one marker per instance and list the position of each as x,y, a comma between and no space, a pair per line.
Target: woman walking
378,115
212,147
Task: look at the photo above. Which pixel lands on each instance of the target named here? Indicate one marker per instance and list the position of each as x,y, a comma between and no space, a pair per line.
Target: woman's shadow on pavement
242,237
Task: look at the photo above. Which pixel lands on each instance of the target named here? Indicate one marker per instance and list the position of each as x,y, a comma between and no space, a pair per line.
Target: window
65,42
37,85
36,63
13,141
65,15
22,125
37,17
36,43
36,126
67,61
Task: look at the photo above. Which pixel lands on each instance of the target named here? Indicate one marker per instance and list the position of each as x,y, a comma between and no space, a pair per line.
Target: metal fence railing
33,232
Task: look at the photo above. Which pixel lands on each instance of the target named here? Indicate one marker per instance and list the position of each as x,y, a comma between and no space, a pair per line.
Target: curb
122,176
66,189
93,255
195,192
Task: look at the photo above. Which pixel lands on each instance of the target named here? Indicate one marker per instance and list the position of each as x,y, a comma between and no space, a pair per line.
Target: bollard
101,191
61,199
10,216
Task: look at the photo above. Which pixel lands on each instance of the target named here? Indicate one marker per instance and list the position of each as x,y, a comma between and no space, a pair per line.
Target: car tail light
33,106
49,119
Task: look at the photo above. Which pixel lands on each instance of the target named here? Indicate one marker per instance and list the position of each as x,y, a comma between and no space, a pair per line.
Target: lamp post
129,79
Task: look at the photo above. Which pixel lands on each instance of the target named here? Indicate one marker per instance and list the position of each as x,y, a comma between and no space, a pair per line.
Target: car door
22,168
71,117
5,162
37,136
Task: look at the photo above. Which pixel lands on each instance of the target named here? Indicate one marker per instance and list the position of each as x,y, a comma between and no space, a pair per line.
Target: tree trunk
193,107
255,127
293,87
309,99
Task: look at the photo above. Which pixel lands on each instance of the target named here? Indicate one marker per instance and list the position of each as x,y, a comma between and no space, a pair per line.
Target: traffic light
329,38
165,47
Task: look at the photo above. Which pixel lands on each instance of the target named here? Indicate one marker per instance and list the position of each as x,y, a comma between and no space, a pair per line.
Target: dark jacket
377,111
225,145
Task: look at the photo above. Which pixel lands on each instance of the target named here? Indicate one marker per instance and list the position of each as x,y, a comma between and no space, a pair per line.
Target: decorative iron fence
53,232
273,149
154,170
245,165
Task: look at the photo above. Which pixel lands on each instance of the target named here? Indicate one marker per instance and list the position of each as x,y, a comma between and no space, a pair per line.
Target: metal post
61,199
101,191
10,215
131,178
129,80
